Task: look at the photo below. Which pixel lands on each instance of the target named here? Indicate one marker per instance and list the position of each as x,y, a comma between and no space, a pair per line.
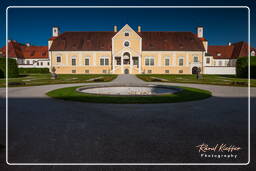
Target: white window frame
209,60
149,62
194,59
167,57
104,60
179,58
87,57
57,59
73,57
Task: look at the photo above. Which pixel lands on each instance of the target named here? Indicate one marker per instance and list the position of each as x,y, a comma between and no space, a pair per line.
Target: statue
198,71
53,74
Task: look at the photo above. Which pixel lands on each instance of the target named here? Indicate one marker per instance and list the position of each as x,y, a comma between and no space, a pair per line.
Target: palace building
127,51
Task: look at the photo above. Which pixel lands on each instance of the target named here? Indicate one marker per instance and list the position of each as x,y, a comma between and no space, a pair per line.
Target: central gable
127,39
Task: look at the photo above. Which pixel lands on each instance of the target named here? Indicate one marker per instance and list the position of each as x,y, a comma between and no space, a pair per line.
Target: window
87,71
220,63
207,60
104,71
37,64
28,62
180,71
149,71
104,61
167,61
126,34
48,63
167,71
126,43
87,61
181,61
73,71
218,54
149,61
58,59
73,61
195,58
42,64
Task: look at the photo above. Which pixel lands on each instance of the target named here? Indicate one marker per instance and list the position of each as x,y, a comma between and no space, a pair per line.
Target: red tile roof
83,41
170,41
235,50
102,41
18,50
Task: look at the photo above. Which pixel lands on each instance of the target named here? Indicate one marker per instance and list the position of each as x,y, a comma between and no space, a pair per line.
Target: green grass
227,80
45,79
187,94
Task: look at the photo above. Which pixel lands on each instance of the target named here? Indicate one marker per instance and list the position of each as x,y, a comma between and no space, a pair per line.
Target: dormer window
218,54
126,34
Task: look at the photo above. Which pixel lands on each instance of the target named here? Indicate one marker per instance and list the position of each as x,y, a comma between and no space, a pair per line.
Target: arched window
126,43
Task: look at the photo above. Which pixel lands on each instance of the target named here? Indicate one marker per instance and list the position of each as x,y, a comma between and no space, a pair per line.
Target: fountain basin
119,90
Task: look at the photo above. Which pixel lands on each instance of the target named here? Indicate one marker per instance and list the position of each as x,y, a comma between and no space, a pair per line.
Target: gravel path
42,129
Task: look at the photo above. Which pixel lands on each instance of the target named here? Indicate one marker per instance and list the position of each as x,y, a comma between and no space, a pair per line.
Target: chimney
229,43
139,29
55,31
27,44
115,28
200,32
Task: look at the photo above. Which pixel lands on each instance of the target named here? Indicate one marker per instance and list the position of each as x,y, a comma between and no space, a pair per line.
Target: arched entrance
126,57
194,70
126,71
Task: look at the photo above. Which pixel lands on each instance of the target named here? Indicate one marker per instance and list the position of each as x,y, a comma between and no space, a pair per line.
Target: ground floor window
87,71
149,61
104,61
180,71
73,71
167,71
28,62
73,61
207,60
181,61
48,63
104,71
58,59
87,61
149,71
167,61
42,64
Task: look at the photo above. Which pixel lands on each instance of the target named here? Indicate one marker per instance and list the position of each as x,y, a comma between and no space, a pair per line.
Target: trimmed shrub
242,67
33,70
12,68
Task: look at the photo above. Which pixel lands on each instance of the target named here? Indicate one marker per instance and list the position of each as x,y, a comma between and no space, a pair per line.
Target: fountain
134,90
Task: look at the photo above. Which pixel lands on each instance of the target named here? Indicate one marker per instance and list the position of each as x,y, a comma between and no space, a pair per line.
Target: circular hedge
187,94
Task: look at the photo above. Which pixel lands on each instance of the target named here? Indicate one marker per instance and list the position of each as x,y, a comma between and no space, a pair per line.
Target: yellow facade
126,58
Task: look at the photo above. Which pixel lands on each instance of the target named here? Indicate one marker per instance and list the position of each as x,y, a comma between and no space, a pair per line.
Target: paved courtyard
43,130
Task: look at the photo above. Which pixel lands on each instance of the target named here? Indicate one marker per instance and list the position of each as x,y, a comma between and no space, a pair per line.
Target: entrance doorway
126,71
194,70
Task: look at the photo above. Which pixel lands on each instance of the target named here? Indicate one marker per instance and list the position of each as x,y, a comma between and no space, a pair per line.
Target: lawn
44,79
187,94
227,80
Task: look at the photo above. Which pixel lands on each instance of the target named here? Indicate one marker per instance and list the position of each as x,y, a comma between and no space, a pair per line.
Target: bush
12,68
242,67
33,70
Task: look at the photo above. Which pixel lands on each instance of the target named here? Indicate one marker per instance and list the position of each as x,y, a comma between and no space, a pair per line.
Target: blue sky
220,25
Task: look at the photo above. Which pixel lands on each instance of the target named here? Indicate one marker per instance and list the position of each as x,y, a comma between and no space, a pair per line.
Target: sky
221,25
